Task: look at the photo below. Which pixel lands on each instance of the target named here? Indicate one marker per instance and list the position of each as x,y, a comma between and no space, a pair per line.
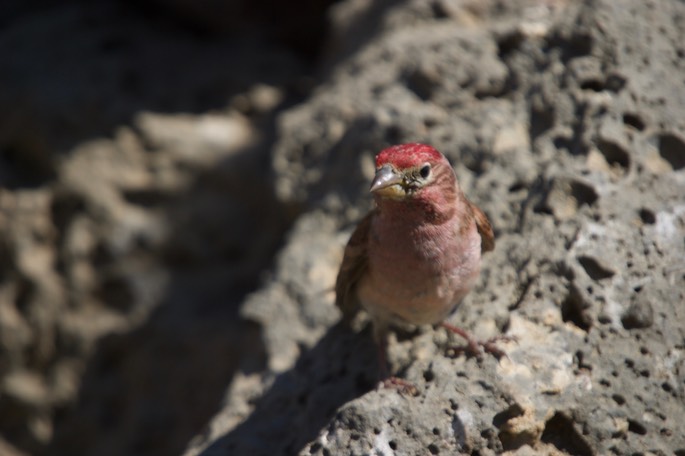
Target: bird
417,253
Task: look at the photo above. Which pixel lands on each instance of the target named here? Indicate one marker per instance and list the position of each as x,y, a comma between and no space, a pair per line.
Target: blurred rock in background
136,211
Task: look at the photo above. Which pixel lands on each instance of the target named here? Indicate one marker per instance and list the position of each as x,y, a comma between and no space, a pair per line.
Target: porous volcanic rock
565,122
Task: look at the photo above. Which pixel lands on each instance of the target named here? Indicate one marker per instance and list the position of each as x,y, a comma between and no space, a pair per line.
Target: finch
413,258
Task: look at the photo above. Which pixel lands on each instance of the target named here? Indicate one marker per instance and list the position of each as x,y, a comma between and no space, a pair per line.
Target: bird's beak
388,182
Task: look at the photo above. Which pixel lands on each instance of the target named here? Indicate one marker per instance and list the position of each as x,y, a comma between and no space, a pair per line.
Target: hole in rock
574,309
592,84
647,216
560,432
516,186
583,193
634,120
577,45
508,43
672,149
595,270
620,400
636,427
614,154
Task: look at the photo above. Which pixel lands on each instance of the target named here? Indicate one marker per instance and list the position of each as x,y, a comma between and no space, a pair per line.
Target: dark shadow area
302,400
562,434
150,390
77,70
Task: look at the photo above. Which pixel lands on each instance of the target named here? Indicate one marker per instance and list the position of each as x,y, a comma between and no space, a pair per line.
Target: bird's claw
401,385
489,346
475,348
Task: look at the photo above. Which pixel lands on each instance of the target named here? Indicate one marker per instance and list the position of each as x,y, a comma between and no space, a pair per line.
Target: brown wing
484,229
354,264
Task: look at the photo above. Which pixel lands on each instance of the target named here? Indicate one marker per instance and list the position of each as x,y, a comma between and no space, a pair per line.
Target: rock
9,450
176,197
550,131
196,140
125,172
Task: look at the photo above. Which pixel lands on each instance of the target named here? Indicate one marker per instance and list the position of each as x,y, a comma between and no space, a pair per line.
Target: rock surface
552,115
171,226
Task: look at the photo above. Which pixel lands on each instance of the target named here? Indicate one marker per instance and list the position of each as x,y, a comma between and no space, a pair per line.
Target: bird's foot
401,385
475,347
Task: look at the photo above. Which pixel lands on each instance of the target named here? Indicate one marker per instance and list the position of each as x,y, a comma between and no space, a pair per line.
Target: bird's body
422,282
415,256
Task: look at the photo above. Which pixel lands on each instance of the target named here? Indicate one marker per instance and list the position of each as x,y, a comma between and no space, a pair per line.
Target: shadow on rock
148,391
340,367
137,211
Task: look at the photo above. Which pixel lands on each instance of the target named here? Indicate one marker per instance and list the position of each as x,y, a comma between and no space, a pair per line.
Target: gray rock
551,127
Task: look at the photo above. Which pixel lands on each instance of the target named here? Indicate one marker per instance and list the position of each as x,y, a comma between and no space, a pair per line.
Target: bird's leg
386,379
382,346
473,346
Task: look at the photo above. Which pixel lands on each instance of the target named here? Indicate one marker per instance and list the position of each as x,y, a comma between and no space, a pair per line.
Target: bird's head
408,170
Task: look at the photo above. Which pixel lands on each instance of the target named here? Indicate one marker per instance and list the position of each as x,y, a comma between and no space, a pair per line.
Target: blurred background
136,209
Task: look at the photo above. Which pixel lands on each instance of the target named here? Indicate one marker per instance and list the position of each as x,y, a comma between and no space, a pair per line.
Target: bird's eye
425,171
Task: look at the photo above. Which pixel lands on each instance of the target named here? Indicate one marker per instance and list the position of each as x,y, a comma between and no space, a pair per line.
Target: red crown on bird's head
409,155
